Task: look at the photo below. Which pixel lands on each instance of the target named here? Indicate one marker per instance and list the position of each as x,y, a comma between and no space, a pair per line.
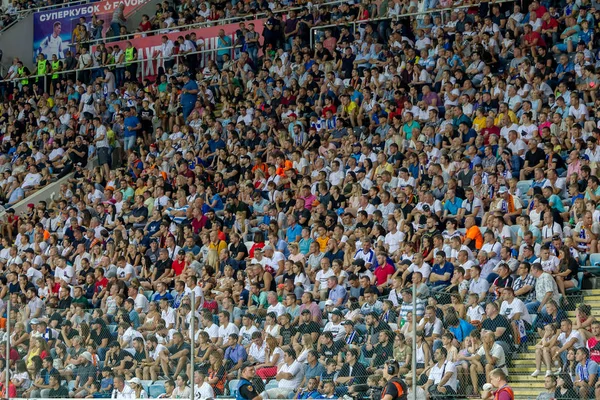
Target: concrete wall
42,194
18,42
134,20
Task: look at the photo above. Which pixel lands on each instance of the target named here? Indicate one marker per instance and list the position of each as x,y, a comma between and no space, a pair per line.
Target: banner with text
53,29
148,47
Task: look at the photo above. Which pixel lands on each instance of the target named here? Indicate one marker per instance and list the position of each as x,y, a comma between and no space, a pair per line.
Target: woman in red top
145,25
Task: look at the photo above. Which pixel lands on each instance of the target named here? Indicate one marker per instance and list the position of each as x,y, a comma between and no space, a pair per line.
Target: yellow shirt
350,108
511,115
479,123
384,167
322,242
218,247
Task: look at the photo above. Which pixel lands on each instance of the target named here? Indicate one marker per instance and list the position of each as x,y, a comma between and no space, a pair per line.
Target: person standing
118,19
131,57
189,94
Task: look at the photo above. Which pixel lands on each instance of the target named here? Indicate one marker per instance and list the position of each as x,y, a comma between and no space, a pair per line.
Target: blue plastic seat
156,390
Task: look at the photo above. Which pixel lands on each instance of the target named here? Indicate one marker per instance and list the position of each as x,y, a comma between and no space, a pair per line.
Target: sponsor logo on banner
53,29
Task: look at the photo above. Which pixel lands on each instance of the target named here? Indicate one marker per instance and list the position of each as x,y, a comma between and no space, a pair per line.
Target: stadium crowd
297,193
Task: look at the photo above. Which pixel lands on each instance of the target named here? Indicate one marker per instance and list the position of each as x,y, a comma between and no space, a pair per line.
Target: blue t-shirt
130,123
439,270
219,202
188,99
462,330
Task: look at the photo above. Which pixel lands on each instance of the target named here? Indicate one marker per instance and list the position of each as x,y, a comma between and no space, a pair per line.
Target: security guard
41,71
245,389
395,389
131,56
56,66
23,72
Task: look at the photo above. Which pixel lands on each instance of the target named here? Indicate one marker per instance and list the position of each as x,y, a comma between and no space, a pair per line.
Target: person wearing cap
137,388
335,324
507,205
245,388
85,375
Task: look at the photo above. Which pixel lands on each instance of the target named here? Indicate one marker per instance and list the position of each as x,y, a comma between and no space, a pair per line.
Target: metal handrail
206,24
415,14
138,61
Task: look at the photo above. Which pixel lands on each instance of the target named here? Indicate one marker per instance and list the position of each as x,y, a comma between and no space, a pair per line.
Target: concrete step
527,378
526,356
524,363
521,370
528,385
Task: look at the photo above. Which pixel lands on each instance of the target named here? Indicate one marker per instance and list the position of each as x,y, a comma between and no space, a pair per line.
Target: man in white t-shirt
202,389
394,237
209,326
247,330
516,312
442,376
568,338
258,348
289,376
32,179
274,305
335,325
226,328
418,265
140,300
155,353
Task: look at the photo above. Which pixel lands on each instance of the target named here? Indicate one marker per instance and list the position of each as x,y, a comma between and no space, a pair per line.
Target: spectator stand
221,21
317,32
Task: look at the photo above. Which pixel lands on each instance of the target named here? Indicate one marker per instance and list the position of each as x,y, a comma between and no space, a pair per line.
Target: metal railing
206,24
53,6
440,11
33,78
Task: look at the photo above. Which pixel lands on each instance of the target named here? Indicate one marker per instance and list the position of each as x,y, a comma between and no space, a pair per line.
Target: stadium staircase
524,385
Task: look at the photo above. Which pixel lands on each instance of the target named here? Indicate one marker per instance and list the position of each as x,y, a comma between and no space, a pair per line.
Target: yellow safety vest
41,69
21,72
55,67
129,55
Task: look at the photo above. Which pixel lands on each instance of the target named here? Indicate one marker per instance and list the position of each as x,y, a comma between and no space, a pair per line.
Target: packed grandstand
271,199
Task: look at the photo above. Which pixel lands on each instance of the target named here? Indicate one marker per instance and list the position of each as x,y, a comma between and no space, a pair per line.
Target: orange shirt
287,164
474,233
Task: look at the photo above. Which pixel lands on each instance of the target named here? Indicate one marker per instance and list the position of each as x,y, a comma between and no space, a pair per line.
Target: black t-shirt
123,355
240,248
359,372
97,338
60,393
535,157
72,333
162,266
395,388
331,350
311,327
287,334
80,149
499,322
